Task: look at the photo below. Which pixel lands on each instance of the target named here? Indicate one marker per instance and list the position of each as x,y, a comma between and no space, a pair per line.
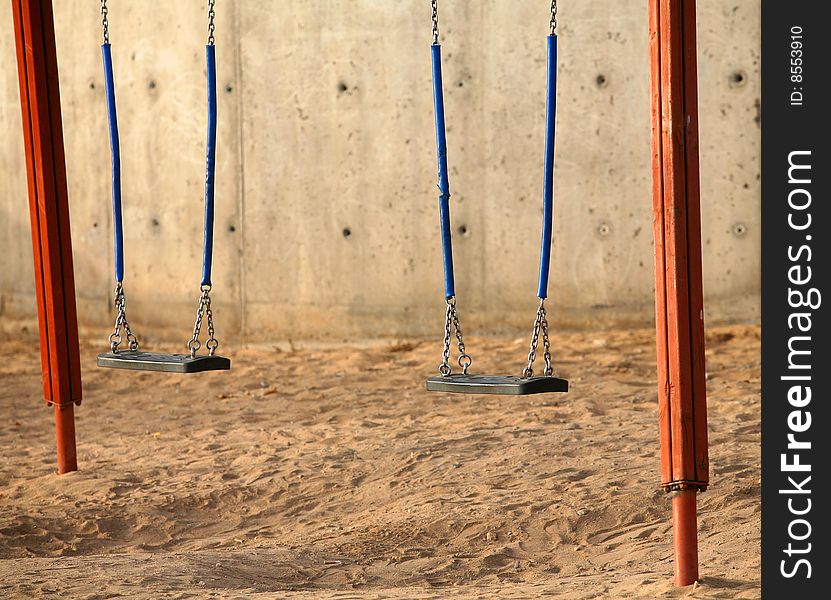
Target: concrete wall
327,220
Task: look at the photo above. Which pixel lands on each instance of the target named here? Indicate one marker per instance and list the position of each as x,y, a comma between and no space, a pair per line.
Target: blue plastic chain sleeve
548,184
118,229
444,182
210,167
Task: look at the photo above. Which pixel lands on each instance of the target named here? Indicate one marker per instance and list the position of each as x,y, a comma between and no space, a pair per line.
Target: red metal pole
65,438
40,105
679,304
685,533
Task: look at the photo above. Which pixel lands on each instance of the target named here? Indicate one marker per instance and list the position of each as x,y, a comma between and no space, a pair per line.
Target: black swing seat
168,363
506,385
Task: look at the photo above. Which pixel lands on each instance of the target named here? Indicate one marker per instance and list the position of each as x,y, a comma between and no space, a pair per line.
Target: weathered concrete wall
327,219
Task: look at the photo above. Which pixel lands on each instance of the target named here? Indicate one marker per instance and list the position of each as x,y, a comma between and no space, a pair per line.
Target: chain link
120,301
211,26
546,343
444,367
451,327
435,5
203,312
540,324
105,22
464,358
553,23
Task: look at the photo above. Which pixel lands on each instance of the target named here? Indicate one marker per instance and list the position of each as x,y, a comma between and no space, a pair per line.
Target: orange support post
40,103
679,303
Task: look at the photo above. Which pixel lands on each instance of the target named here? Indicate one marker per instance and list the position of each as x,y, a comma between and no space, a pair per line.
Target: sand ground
331,473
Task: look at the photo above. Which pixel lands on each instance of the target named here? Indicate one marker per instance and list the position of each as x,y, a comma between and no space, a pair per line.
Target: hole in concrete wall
92,85
464,231
229,88
95,225
460,84
347,233
342,87
739,229
738,79
151,84
232,228
604,229
155,222
601,81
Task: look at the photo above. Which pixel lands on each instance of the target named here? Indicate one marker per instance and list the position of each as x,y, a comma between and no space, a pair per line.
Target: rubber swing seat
506,385
168,363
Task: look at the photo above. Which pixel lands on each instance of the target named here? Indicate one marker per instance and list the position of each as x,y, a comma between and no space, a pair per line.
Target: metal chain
451,327
528,371
115,338
540,324
444,367
211,26
464,358
435,5
212,344
105,22
203,312
546,344
553,23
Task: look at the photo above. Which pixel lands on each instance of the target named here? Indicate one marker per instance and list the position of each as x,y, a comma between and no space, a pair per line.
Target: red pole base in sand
685,533
65,438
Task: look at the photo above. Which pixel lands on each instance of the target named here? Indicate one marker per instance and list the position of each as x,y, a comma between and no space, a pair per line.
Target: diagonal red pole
679,304
40,104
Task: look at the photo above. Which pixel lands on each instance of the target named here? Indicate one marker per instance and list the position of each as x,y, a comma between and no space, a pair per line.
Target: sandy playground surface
331,473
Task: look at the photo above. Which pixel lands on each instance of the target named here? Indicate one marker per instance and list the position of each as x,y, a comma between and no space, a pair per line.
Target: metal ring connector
193,347
465,361
115,340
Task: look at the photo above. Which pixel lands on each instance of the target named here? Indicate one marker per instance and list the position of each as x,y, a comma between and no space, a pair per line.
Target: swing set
682,406
527,383
133,358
